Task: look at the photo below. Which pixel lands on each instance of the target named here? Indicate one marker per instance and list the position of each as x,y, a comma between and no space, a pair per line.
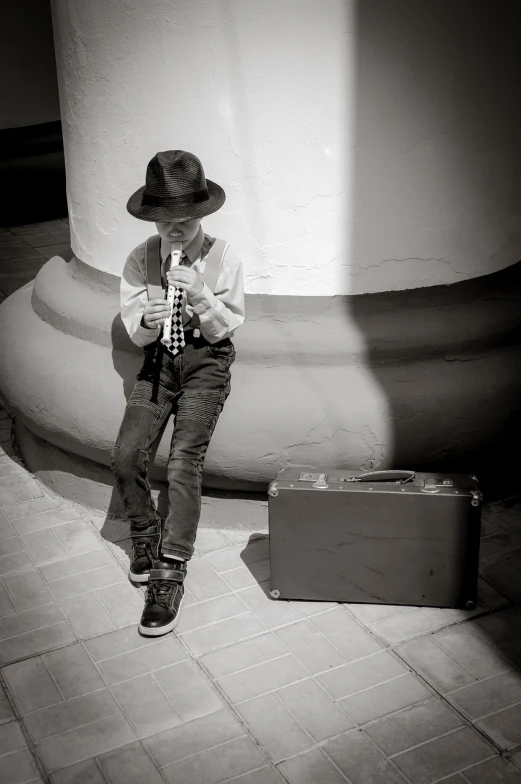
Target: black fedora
175,188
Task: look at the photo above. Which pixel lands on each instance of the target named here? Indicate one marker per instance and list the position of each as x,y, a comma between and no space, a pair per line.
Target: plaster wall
363,146
28,87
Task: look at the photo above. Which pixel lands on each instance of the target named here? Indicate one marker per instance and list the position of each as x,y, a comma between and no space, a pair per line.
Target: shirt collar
192,251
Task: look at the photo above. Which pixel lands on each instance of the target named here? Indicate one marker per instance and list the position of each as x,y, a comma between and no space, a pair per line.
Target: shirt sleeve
220,313
133,298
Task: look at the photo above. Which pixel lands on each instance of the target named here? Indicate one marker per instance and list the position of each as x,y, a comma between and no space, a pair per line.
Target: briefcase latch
320,482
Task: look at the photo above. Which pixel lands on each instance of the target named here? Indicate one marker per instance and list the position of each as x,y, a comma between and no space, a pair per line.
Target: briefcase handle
386,476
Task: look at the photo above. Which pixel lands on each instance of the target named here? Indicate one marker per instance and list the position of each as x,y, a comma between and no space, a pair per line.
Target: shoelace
160,590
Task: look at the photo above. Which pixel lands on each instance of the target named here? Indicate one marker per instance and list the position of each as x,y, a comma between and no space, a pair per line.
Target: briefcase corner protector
273,489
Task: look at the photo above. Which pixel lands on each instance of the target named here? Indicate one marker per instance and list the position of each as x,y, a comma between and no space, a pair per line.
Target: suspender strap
153,265
214,260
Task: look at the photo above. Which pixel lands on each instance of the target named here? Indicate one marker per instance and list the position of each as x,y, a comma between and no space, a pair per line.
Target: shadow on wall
435,85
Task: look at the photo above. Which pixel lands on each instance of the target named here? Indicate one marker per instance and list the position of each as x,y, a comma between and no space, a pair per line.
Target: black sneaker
145,550
165,593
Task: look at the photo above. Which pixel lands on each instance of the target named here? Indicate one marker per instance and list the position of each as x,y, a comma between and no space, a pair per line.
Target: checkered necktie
173,335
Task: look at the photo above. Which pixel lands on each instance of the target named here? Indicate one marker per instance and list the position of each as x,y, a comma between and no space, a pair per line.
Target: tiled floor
248,689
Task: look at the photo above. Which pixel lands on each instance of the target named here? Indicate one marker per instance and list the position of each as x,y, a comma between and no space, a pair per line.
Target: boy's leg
145,415
206,385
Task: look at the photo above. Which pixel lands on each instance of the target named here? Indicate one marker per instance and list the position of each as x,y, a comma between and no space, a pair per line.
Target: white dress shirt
220,312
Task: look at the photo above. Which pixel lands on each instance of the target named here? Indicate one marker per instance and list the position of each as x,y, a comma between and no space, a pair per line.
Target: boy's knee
127,460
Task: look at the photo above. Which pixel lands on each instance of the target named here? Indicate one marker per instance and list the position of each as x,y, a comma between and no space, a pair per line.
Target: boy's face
179,230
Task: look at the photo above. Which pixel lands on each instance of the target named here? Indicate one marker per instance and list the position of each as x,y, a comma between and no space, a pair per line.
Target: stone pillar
371,185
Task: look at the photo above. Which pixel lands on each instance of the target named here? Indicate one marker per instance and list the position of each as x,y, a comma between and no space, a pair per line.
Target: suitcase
382,537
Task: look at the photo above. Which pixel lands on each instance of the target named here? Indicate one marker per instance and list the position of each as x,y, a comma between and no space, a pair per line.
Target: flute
175,259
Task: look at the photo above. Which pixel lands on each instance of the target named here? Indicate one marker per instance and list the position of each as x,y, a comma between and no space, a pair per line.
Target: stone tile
265,775
145,705
68,715
161,653
247,576
370,613
478,658
494,771
188,690
210,611
216,765
193,737
87,615
421,620
11,738
77,564
262,678
274,727
434,664
208,541
6,712
81,743
37,641
310,768
27,590
485,697
203,581
78,537
315,710
308,608
123,601
497,627
411,727
77,584
116,643
43,546
10,545
346,634
82,773
270,611
505,578
29,620
361,674
386,698
130,765
443,756
257,550
73,671
31,507
12,491
6,605
510,650
10,468
6,531
359,759
63,250
244,654
33,485
496,546
310,646
31,685
16,562
34,522
504,728
223,633
19,768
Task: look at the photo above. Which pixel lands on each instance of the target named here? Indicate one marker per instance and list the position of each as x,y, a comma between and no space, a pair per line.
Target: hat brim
165,214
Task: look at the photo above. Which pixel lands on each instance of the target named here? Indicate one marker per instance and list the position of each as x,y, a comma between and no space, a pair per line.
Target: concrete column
369,159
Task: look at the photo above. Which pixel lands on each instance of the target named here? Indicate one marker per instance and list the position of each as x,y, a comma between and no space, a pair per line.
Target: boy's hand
186,278
155,313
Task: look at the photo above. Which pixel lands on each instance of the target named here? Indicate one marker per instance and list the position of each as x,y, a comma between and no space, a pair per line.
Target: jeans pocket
222,350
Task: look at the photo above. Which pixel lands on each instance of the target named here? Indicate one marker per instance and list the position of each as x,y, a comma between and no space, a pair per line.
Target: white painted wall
336,128
28,89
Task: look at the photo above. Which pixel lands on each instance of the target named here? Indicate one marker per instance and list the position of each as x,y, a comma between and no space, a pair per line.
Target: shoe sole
160,630
138,578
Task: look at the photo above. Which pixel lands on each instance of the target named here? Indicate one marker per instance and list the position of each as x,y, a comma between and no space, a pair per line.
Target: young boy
185,373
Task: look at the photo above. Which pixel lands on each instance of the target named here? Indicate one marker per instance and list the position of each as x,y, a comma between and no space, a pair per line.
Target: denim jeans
193,387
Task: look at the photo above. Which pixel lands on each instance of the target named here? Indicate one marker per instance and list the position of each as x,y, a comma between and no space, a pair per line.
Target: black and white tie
173,334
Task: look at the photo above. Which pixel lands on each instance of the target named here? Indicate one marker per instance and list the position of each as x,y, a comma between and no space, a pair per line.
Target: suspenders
214,259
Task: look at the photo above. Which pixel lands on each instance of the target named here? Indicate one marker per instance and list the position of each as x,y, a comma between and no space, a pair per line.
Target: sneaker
165,593
145,550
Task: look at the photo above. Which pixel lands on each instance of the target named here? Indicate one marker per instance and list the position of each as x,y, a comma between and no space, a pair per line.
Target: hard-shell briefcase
393,537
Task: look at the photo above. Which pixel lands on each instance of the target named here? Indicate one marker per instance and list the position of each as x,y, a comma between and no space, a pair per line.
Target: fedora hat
175,188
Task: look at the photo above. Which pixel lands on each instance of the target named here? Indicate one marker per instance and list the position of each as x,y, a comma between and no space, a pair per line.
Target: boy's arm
133,298
220,313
